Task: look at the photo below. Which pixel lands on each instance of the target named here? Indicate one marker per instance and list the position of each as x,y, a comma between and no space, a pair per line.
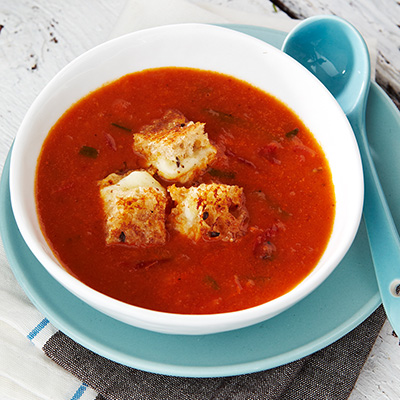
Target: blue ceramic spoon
334,51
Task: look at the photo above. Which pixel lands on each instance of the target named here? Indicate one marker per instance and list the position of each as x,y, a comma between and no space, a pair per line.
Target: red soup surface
263,147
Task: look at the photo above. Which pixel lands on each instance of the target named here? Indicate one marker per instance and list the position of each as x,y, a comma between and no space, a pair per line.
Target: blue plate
344,300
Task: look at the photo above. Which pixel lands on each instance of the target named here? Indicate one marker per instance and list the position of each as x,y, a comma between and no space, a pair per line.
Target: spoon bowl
335,52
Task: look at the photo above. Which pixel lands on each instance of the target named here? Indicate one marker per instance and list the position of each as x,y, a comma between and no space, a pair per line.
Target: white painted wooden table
38,38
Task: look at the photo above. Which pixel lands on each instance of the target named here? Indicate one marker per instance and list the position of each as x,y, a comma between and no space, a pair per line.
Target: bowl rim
144,317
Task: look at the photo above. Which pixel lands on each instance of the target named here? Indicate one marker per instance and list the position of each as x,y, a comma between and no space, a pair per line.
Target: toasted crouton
134,205
209,211
177,149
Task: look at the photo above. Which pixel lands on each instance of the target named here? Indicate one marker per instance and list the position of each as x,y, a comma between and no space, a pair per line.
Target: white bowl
210,48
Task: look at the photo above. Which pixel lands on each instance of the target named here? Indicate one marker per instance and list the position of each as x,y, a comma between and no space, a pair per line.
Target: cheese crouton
209,211
177,149
134,205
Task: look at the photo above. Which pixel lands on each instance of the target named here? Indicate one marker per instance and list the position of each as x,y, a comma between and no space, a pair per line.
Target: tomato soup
263,147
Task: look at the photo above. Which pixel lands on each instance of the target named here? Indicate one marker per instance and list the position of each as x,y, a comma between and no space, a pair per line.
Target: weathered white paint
40,37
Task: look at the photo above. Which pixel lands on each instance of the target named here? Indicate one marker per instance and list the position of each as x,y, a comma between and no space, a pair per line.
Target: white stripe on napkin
27,373
41,333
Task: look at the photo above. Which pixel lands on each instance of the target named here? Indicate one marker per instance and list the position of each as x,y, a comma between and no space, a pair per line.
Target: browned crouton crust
177,149
135,216
209,211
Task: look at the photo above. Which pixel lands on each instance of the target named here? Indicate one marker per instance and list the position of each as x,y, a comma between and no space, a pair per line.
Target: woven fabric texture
327,374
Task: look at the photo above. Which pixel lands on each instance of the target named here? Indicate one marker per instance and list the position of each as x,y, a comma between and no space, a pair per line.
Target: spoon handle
382,233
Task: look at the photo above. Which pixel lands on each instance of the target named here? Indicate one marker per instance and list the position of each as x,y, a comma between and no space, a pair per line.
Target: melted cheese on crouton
134,206
177,149
209,211
138,179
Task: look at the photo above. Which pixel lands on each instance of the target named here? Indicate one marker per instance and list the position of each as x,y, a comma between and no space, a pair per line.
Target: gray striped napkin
328,374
